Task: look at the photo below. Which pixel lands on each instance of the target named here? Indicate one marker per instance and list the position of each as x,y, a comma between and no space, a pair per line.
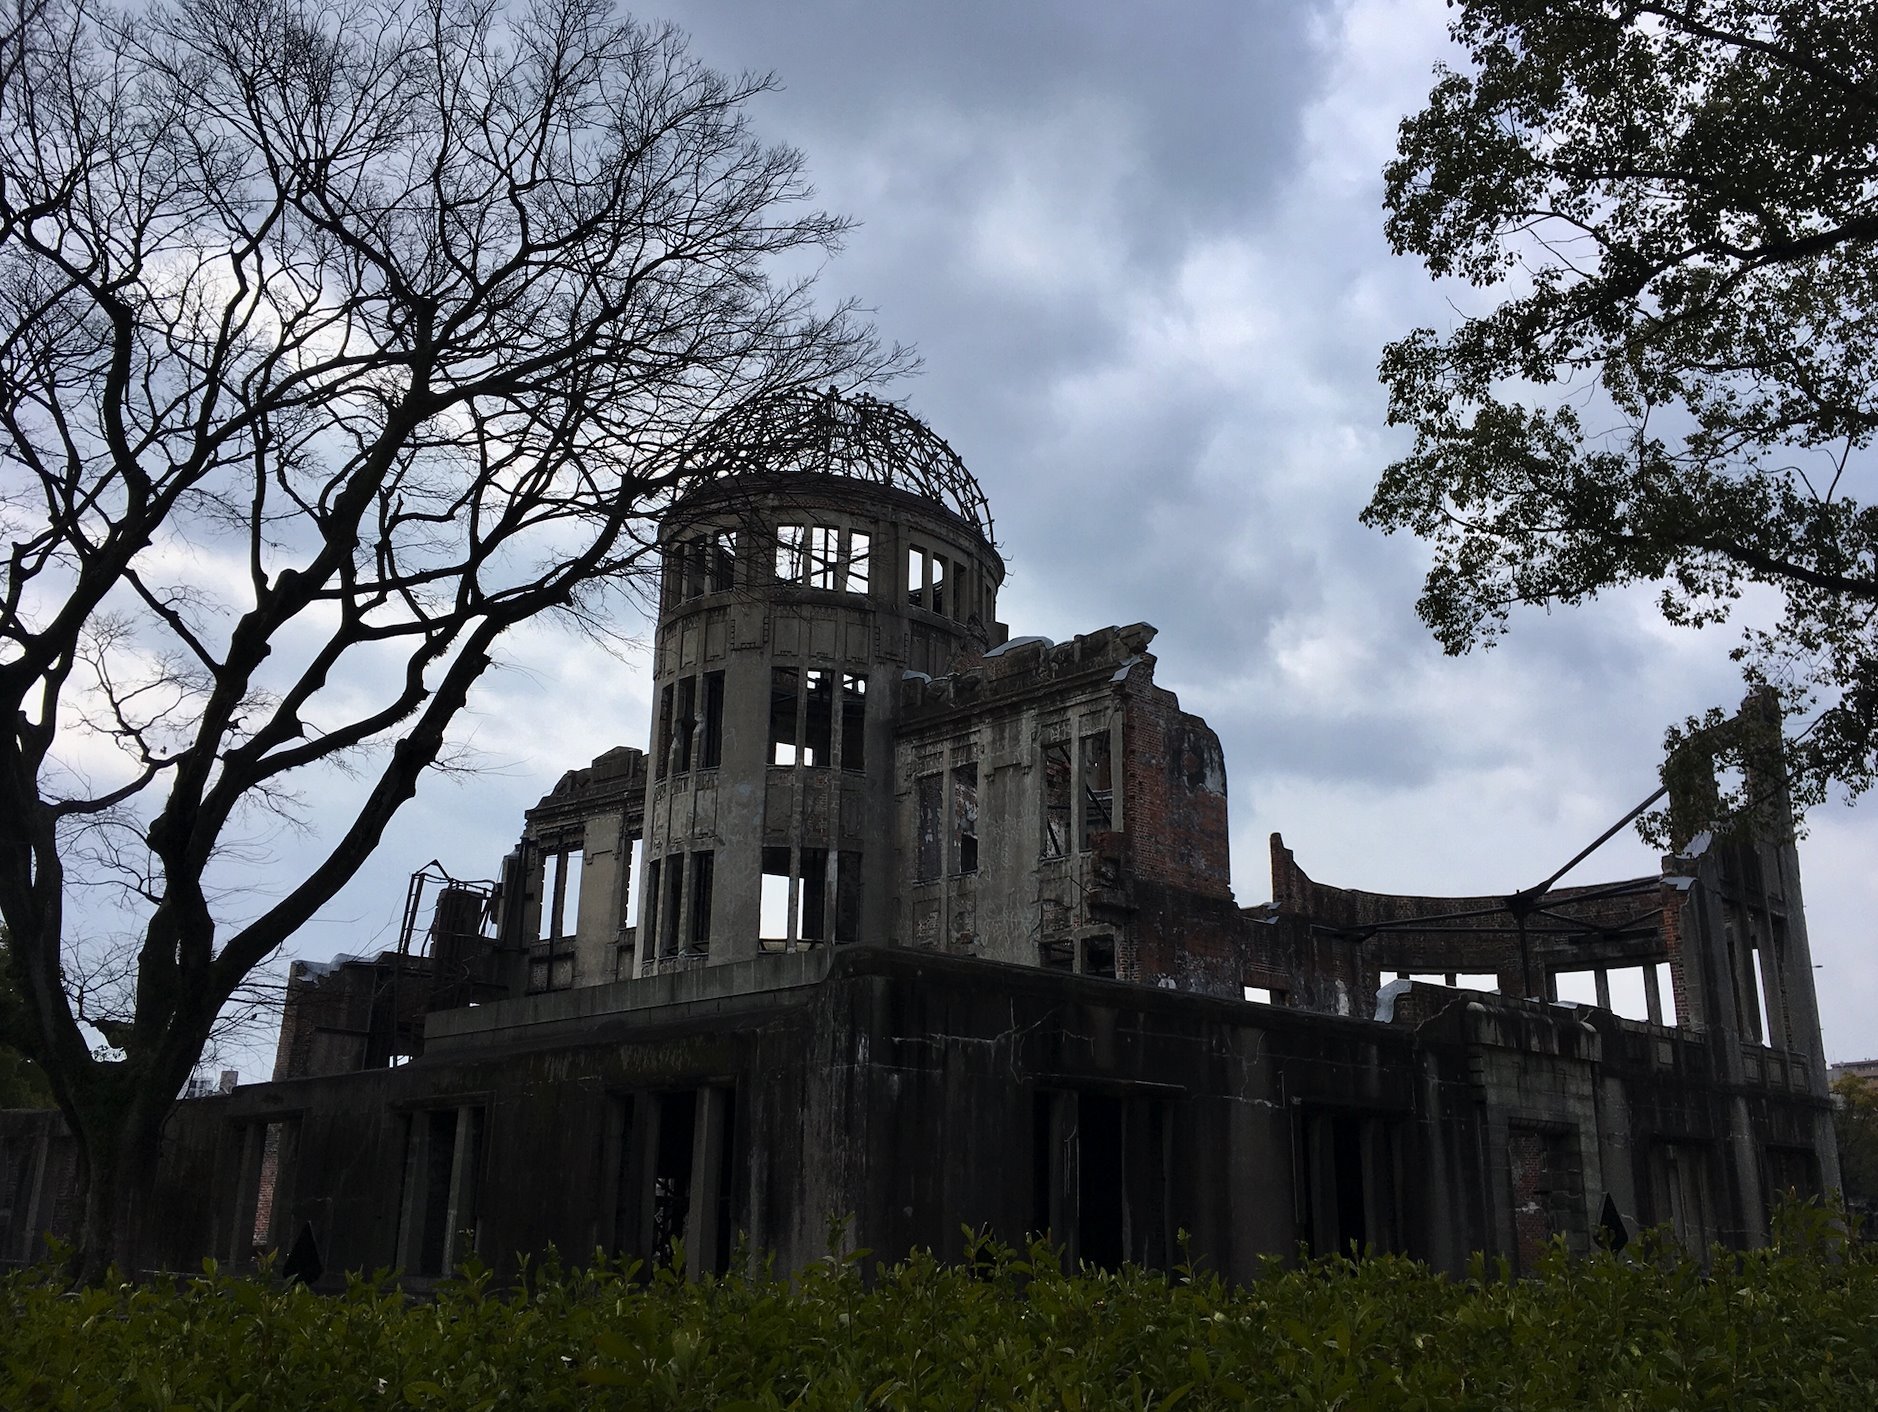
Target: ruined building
904,919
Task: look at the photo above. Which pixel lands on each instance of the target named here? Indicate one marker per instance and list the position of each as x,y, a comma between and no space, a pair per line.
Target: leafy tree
1676,202
339,339
1855,1120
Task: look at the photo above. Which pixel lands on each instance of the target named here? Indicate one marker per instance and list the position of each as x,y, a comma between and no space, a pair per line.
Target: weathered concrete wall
915,1092
789,611
1100,840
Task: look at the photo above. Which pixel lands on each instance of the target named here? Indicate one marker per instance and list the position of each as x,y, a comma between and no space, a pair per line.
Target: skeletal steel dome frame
860,437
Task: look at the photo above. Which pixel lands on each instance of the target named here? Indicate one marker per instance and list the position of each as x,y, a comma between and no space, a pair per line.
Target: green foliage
1855,1120
1784,1328
1679,386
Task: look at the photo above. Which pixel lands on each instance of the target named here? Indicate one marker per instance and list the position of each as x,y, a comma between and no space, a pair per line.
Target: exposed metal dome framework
860,437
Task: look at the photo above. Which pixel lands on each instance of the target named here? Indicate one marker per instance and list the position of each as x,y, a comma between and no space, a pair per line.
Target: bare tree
339,339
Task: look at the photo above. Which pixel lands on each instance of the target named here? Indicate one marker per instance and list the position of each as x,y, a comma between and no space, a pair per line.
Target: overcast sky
1139,250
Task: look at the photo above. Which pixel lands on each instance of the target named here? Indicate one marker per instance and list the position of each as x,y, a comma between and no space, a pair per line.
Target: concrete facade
901,919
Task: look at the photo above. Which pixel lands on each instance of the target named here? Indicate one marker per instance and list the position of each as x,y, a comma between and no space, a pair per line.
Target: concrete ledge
447,1030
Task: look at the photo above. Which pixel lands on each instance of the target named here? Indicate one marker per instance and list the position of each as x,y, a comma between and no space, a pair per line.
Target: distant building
903,919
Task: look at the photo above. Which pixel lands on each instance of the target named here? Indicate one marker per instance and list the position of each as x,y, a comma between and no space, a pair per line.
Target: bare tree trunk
120,1141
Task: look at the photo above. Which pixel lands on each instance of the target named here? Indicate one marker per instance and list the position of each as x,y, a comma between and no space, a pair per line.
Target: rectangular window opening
438,1218
1666,991
684,723
1098,956
965,818
1056,774
784,682
1098,788
1575,987
859,548
773,900
937,598
853,721
1627,992
439,1147
789,553
824,567
1056,955
671,903
812,925
1760,998
931,803
703,869
671,1172
711,739
568,892
662,750
916,578
636,861
723,561
818,725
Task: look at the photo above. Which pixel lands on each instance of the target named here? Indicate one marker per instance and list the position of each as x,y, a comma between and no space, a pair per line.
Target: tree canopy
1676,205
336,340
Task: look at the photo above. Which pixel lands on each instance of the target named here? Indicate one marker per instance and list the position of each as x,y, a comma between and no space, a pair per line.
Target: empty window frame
812,890
965,818
1100,1177
676,1182
711,737
929,794
796,892
917,561
856,571
824,556
703,879
1098,788
805,724
791,552
684,723
785,683
775,901
723,556
824,561
818,718
560,893
1057,955
1056,786
853,721
689,568
662,749
438,1220
936,597
671,903
1347,1197
1098,956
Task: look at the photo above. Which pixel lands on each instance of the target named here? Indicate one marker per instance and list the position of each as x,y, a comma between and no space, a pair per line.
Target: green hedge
1793,1327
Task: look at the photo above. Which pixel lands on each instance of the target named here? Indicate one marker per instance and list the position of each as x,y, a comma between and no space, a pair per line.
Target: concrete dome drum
859,437
828,548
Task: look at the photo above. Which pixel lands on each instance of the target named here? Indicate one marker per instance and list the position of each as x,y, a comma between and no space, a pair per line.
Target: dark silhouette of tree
22,1085
1679,386
336,340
